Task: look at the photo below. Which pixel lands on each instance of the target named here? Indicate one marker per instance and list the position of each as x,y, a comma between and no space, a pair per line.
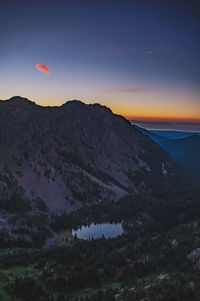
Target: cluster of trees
16,203
25,231
7,241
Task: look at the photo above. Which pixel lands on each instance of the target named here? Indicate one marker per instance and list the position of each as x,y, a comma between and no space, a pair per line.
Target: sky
138,57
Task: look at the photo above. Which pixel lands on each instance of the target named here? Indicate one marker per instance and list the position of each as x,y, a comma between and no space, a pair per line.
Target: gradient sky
141,58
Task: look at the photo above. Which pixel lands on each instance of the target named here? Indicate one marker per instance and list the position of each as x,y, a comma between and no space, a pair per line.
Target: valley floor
153,260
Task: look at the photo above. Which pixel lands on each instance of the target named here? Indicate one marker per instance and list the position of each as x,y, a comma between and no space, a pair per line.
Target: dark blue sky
141,58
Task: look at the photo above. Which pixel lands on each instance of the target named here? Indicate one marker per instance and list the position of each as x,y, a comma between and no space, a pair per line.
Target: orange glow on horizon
165,113
163,119
151,110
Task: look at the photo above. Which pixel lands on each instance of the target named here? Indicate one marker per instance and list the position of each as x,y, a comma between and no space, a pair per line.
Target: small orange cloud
42,68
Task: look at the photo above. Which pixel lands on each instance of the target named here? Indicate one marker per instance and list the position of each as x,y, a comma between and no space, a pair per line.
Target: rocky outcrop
194,257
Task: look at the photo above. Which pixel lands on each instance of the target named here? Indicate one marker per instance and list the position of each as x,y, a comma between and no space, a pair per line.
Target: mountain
184,147
173,134
76,155
158,138
186,153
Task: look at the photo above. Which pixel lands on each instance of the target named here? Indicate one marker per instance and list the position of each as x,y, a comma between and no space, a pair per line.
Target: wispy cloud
132,89
134,50
42,68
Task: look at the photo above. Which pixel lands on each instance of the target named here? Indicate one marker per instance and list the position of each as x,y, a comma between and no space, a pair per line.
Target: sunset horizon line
163,119
134,118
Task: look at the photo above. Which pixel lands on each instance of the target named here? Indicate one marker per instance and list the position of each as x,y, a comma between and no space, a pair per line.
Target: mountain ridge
78,154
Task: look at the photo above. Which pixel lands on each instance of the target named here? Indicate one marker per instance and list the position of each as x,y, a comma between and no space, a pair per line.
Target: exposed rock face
194,257
78,154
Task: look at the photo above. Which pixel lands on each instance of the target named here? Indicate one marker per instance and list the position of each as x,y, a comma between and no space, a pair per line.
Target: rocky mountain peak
78,154
18,100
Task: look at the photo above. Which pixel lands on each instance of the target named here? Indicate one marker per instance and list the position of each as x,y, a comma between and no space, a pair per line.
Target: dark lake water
108,230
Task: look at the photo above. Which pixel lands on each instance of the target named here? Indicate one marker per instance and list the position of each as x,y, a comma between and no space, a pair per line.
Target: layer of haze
138,57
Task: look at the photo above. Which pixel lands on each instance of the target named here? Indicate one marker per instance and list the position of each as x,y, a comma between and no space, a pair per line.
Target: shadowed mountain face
184,147
186,152
77,154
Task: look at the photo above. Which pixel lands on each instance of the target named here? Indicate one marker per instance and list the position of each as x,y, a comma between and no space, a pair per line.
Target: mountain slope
186,153
184,147
78,154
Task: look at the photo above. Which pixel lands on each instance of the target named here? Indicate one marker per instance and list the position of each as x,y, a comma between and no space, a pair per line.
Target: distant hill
76,155
184,147
173,134
186,152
